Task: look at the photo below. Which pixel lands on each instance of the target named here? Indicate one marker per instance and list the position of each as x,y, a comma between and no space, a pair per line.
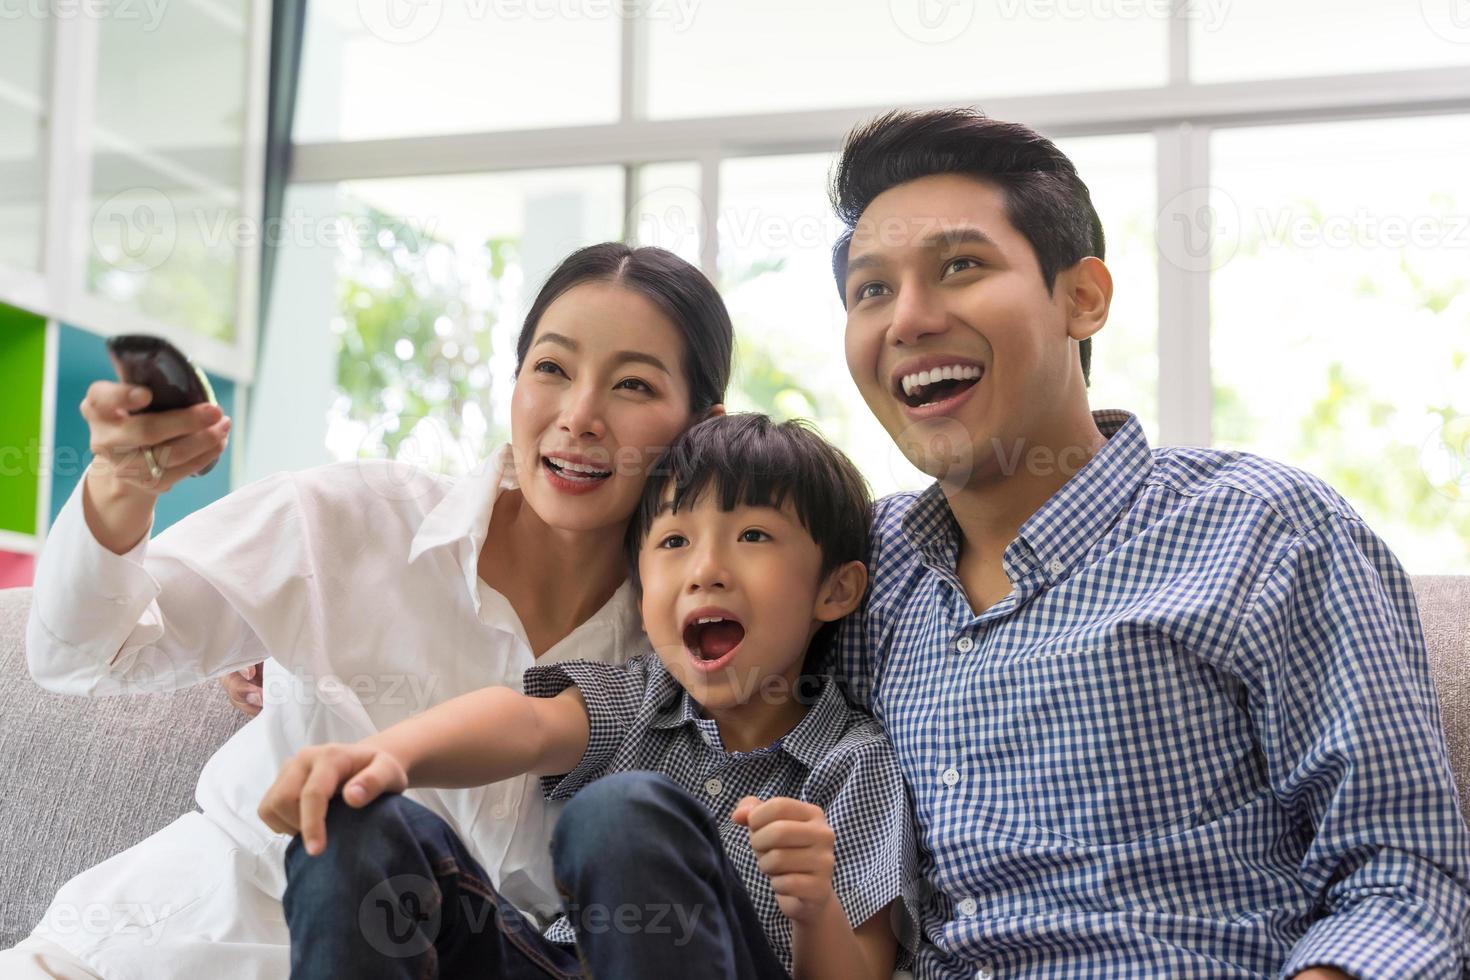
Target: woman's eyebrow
620,357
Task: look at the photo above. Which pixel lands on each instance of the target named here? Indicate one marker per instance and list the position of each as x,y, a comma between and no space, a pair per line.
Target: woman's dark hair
1045,199
750,461
677,288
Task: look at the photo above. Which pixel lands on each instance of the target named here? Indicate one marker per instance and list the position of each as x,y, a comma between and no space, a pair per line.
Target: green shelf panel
22,379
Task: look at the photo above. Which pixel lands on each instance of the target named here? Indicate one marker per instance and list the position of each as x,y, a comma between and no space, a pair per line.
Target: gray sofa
84,779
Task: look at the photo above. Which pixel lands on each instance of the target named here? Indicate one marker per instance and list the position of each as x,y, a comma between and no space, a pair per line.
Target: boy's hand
297,800
793,846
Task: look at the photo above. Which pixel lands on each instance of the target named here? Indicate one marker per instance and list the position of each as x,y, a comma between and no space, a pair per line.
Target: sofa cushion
86,778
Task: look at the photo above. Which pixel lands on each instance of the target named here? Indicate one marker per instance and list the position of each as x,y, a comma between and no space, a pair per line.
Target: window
23,43
434,278
1341,319
745,56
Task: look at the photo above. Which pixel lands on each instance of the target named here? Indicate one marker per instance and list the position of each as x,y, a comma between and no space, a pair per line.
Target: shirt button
965,645
713,787
500,811
951,776
985,973
1055,566
968,907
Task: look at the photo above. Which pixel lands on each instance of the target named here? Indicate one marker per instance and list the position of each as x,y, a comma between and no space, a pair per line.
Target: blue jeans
646,884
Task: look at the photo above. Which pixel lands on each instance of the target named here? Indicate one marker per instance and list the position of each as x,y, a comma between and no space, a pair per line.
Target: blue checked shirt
1198,739
640,718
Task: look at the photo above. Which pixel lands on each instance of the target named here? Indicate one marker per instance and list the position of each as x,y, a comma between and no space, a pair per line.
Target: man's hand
244,687
1322,973
297,800
793,846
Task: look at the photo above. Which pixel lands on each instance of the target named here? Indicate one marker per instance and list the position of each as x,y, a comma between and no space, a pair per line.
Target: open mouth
940,384
712,640
574,472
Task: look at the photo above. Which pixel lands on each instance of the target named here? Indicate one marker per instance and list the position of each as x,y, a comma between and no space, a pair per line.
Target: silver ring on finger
153,468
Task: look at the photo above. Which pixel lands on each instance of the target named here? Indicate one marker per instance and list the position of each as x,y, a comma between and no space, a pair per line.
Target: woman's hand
297,801
183,441
244,687
795,848
136,458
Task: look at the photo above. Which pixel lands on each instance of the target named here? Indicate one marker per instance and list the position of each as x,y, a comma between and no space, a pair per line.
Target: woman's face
601,393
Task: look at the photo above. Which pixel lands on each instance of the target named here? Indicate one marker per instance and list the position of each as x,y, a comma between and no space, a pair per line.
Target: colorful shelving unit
45,370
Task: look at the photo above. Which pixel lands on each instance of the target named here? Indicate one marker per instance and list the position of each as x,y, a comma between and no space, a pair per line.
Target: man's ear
1089,287
841,592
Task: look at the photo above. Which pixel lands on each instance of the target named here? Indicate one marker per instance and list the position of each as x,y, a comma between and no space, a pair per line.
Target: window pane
1239,39
381,68
776,234
1119,173
1341,317
434,279
22,115
839,53
168,136
669,211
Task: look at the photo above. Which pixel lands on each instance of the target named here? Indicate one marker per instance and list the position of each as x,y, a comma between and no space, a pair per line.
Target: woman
371,592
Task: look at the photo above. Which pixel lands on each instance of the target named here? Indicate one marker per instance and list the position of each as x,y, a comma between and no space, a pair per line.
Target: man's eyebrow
621,357
963,235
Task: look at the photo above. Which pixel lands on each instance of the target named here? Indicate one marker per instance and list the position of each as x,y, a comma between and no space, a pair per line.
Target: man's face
952,337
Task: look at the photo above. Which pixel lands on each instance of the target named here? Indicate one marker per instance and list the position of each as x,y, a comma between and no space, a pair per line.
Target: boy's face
731,599
938,278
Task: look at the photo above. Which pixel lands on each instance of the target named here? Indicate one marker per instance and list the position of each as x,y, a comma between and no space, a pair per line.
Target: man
1163,712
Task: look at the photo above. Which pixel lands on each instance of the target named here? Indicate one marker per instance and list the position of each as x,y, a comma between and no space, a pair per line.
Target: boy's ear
718,408
842,591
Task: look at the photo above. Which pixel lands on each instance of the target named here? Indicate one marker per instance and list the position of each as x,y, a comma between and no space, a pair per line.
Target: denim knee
617,816
352,833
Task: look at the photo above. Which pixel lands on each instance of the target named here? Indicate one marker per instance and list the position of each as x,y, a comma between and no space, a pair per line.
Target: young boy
777,840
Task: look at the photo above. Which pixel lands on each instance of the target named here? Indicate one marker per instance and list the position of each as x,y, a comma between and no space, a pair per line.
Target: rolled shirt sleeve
1347,716
613,694
173,611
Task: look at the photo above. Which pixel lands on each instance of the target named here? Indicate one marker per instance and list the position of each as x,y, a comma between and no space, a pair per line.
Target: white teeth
709,619
951,372
576,467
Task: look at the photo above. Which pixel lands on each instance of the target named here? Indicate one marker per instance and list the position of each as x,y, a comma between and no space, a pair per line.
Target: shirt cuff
1379,938
605,729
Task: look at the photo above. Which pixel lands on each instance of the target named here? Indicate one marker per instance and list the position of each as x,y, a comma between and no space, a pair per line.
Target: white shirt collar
462,518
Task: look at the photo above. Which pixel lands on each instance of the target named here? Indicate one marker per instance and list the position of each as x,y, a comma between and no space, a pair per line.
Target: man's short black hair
749,460
1045,199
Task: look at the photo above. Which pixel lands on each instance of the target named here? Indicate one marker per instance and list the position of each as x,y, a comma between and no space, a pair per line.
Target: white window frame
1180,115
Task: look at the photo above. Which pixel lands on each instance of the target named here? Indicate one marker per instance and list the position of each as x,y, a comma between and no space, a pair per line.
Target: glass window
383,68
669,211
434,277
1119,173
23,43
1341,317
776,234
168,145
1240,39
838,53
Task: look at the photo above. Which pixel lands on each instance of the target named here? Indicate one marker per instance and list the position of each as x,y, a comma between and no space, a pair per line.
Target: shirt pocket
1113,738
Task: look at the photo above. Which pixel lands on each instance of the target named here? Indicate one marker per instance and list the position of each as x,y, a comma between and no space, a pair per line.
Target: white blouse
357,583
